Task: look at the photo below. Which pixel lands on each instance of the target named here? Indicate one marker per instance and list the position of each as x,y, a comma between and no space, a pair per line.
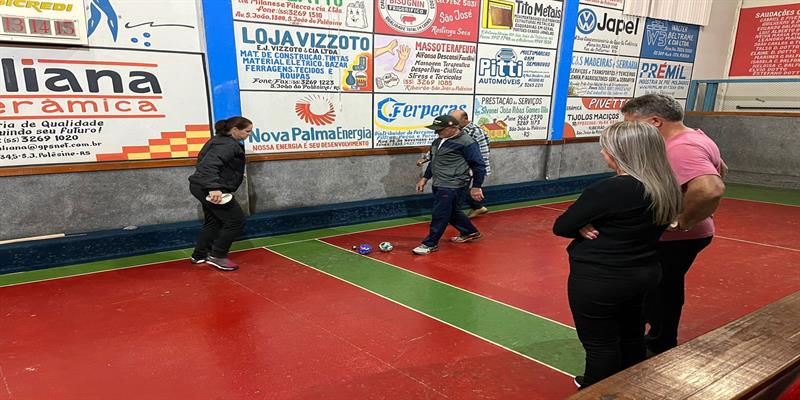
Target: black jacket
220,165
619,209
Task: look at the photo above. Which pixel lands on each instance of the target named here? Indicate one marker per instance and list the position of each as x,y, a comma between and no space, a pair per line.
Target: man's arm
701,199
472,155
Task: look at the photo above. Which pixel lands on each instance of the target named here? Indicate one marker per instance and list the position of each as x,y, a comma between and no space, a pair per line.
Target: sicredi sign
56,22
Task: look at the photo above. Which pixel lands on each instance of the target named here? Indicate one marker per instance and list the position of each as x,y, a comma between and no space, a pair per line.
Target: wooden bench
754,357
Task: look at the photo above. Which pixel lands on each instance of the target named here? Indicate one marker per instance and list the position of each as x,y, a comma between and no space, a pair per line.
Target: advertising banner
353,15
66,106
272,57
400,120
419,65
307,121
667,40
53,22
605,31
663,77
434,19
589,116
172,25
595,75
767,42
535,23
514,70
513,117
618,4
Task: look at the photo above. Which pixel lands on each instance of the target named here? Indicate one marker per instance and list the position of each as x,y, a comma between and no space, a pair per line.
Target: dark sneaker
466,238
579,382
422,250
197,260
224,264
477,212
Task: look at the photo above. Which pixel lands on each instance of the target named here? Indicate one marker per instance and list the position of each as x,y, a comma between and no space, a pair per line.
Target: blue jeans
447,210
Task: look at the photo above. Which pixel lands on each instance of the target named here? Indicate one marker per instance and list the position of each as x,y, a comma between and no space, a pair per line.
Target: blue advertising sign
665,40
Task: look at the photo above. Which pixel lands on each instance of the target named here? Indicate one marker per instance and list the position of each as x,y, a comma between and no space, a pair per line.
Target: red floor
279,330
273,330
534,267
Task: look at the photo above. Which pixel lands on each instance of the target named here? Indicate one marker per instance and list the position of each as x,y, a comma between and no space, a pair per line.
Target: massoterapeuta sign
67,106
52,22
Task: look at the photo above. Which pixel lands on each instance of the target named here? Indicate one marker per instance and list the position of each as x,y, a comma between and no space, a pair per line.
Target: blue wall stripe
561,91
221,51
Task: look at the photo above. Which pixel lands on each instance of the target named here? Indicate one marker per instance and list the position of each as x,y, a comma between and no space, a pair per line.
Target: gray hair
639,151
657,105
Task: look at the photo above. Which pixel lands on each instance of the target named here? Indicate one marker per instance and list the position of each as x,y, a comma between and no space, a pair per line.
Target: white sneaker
422,249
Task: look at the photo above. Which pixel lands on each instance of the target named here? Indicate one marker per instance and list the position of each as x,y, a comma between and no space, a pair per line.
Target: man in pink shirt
699,169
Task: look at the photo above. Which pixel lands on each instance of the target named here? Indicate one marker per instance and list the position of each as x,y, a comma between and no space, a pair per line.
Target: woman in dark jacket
220,170
616,224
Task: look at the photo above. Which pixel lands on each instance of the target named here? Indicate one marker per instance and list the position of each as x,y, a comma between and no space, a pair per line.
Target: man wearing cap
453,156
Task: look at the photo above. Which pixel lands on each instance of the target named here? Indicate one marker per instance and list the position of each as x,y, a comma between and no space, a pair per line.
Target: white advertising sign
66,106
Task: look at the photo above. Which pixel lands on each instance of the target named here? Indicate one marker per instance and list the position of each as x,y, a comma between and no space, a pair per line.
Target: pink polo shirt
692,154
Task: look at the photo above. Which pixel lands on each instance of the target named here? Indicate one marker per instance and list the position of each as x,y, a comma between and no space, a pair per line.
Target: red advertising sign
767,42
434,19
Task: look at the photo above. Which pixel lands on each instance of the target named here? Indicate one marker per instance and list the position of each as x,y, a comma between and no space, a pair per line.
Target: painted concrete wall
758,150
81,202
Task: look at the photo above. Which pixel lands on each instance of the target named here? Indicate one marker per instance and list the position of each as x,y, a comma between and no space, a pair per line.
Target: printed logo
587,21
389,110
657,32
97,9
356,15
505,64
408,16
315,110
662,71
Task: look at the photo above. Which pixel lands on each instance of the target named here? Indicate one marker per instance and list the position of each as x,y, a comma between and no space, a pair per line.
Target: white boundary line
332,334
423,313
409,224
756,243
552,208
347,233
111,269
542,205
452,286
252,248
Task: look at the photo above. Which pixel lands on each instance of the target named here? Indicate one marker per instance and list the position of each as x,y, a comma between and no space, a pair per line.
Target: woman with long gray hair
616,224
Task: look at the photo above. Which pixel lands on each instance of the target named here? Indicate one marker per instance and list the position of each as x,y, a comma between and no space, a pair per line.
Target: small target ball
386,246
364,249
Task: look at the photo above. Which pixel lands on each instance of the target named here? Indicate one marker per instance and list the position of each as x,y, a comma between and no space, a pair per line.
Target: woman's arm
591,205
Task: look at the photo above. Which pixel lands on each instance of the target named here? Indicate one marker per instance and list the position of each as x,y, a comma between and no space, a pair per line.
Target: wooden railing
755,356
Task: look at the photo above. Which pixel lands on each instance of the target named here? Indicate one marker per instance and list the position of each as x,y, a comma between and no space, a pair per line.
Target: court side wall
90,201
758,150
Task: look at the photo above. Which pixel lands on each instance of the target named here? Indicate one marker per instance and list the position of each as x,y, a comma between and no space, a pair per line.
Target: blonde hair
639,151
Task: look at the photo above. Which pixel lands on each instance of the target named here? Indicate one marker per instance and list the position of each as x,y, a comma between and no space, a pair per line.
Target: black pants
664,304
606,304
223,224
447,210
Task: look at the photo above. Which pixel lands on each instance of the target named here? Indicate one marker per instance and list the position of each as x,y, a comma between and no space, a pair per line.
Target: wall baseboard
763,179
118,243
